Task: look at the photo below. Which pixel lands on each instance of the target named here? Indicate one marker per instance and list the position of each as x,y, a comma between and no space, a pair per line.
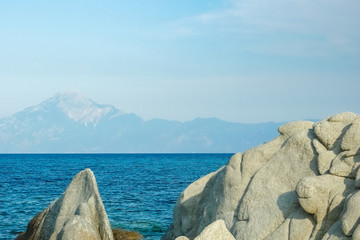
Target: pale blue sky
238,60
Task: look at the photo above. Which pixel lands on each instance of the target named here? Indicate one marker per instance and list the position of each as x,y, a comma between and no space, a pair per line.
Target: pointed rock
78,214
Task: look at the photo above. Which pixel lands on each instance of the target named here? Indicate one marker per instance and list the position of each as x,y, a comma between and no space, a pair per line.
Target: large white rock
298,186
78,214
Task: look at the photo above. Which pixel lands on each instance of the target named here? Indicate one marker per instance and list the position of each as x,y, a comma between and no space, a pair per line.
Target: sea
139,191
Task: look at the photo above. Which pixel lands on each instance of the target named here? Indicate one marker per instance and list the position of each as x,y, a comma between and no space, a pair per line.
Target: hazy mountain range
71,122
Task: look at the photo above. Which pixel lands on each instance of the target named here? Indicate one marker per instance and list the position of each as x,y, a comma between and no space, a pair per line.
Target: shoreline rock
304,184
78,214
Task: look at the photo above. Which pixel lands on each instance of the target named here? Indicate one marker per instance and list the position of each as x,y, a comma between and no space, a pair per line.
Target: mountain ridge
71,122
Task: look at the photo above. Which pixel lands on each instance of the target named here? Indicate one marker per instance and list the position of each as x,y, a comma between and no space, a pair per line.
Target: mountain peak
71,99
69,94
79,108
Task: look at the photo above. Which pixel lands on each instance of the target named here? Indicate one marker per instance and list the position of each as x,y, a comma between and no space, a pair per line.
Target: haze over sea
139,191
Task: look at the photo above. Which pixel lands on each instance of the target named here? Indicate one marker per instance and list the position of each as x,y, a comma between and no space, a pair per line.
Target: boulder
330,131
351,137
323,196
182,238
120,234
350,220
301,185
215,231
78,214
325,157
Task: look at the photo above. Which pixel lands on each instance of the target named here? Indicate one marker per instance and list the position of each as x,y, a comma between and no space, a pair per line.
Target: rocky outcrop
304,184
215,231
78,214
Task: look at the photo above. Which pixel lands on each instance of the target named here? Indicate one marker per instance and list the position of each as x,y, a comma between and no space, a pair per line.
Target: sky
238,60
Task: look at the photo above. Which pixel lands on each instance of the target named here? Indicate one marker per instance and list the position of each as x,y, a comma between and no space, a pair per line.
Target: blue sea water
139,191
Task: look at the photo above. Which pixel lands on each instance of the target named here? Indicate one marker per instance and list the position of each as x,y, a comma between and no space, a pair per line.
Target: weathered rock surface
215,231
301,185
78,214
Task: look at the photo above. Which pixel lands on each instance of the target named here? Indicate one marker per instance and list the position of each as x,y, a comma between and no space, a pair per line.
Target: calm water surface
139,191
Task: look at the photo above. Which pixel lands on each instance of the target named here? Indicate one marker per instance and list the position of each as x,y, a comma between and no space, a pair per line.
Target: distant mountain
71,122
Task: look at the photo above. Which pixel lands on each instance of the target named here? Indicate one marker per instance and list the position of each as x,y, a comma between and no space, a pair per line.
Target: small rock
120,234
215,231
329,132
182,238
325,156
351,138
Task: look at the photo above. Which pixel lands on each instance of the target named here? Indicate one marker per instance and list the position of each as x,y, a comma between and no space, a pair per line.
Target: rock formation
215,231
304,184
78,214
